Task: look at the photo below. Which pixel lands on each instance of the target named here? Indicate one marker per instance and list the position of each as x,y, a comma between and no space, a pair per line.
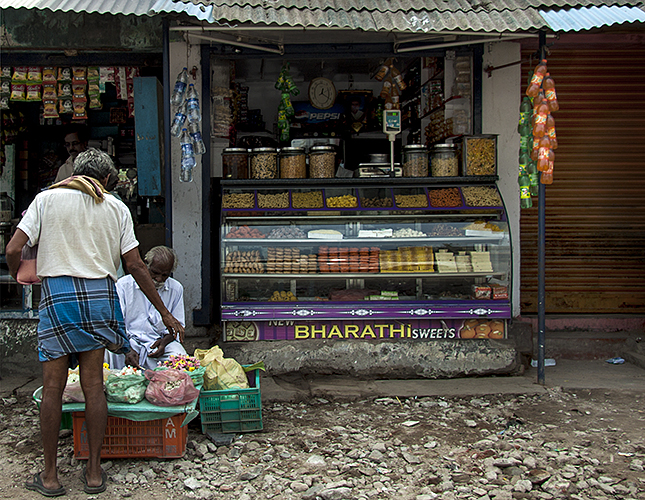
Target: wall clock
322,93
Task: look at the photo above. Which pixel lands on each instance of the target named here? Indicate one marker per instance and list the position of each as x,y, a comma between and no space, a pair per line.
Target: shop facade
240,67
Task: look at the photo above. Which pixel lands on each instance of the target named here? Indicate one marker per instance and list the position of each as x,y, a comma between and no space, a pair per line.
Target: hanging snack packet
93,88
35,74
93,73
106,74
4,102
49,109
80,112
5,87
64,74
49,74
18,92
33,92
65,106
19,74
49,92
79,74
65,90
95,101
131,72
5,72
78,91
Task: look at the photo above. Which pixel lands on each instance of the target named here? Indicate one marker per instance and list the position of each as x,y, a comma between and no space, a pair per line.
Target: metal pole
166,135
541,255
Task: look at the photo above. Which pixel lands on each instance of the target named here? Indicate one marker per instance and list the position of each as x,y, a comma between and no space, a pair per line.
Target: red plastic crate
162,438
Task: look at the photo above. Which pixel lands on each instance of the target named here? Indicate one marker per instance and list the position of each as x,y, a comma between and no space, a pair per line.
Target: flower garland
181,362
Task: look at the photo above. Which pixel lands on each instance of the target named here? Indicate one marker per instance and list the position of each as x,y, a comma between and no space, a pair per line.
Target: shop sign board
422,330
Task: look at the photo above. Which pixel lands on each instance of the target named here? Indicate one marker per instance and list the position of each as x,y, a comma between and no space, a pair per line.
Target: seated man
150,341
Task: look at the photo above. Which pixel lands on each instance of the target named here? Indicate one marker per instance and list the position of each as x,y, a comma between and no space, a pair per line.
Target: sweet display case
360,258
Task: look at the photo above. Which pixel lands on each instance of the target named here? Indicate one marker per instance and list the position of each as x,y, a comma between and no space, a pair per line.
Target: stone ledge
380,360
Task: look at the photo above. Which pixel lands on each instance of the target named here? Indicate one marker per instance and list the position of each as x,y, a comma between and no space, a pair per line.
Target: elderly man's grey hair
162,253
94,163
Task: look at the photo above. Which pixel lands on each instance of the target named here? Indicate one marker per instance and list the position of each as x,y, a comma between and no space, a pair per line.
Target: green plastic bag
125,388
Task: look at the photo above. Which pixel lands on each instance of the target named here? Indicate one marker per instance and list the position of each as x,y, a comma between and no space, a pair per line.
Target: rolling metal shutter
595,208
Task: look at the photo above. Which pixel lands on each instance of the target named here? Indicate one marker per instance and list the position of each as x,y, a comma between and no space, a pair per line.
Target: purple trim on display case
400,310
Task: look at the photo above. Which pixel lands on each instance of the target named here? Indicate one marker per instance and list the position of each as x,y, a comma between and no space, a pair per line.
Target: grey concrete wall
380,360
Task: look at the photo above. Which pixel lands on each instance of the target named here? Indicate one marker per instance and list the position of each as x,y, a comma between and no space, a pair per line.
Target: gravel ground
584,444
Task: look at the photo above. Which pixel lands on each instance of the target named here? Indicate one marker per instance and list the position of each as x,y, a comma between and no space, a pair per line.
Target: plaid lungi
78,315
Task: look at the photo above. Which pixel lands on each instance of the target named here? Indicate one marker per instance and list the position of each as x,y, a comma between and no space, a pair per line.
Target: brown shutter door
595,208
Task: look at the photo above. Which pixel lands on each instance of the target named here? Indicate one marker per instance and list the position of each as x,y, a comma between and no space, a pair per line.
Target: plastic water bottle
179,92
187,157
179,120
196,135
192,105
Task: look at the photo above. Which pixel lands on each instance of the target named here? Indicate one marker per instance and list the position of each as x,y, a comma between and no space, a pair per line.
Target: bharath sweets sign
422,330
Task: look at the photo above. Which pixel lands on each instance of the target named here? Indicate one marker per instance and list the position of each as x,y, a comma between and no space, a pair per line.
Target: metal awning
199,12
586,18
425,16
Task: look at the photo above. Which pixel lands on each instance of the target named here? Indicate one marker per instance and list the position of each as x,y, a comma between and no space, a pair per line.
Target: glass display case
352,250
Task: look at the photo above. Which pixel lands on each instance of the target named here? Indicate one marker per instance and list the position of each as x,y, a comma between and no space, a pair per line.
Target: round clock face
322,93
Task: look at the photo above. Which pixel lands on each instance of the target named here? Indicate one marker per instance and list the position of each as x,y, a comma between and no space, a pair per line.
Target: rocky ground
587,444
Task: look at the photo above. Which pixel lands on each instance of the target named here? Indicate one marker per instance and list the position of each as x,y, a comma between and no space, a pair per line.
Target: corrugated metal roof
426,15
586,18
125,7
413,21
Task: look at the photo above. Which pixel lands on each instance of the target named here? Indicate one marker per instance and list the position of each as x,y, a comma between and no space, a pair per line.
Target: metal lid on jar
321,149
292,151
444,147
264,150
414,147
234,151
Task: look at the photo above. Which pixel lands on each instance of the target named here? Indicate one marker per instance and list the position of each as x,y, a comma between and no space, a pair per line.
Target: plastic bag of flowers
127,385
170,387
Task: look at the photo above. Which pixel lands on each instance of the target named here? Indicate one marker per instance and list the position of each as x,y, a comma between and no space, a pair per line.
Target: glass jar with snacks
479,155
293,163
264,163
444,162
235,163
322,162
415,160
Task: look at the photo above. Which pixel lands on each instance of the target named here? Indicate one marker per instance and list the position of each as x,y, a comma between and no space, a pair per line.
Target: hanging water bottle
196,135
179,92
179,120
192,105
187,157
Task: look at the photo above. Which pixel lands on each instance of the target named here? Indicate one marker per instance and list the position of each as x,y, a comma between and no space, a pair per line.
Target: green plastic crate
233,410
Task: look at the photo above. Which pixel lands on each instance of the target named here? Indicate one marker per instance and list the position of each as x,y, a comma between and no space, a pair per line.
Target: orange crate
162,438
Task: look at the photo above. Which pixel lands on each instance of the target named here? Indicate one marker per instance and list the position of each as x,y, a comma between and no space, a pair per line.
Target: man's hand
159,347
132,359
174,327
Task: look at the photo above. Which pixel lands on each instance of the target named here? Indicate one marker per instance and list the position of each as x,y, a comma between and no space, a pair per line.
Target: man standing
81,231
76,138
150,341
